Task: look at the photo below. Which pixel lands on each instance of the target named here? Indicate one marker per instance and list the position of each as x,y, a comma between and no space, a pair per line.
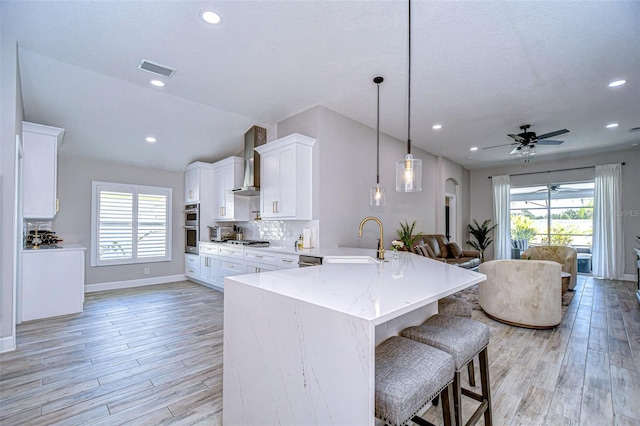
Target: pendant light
377,198
409,169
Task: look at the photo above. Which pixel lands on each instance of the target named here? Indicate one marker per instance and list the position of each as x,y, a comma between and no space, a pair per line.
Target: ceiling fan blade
552,134
549,142
516,137
498,146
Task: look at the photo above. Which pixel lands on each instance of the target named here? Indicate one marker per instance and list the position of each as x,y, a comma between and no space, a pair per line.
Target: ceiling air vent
157,69
634,129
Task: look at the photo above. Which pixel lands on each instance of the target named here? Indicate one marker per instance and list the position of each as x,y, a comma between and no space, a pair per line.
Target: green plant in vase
405,233
481,234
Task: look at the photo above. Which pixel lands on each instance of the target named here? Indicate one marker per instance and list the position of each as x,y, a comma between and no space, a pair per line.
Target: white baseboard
8,344
116,285
630,277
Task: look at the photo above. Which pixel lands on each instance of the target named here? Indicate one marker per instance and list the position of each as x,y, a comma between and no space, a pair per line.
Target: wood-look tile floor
153,355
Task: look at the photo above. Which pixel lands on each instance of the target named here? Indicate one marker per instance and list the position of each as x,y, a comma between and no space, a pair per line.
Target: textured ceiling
481,69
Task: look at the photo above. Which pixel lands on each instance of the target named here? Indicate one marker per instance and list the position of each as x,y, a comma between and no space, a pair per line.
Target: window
556,214
130,224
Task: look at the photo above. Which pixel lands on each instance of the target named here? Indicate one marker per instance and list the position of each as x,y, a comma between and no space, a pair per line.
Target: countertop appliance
249,243
221,233
306,260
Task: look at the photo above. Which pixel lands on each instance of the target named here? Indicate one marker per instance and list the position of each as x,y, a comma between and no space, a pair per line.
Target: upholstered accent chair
518,247
564,255
437,247
525,293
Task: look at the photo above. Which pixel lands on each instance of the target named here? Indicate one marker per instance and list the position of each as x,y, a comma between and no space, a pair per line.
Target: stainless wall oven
191,228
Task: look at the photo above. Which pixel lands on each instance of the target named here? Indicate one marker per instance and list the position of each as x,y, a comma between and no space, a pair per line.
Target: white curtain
501,217
608,244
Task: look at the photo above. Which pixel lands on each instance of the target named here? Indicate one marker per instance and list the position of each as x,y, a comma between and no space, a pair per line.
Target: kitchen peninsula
299,344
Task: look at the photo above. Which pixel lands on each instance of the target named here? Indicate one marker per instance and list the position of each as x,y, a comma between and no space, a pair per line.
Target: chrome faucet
380,241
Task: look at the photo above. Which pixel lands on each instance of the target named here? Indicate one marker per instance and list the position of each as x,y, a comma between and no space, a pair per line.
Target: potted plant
481,234
405,233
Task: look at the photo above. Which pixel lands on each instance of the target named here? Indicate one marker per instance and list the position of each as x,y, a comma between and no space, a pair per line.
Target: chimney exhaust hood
254,137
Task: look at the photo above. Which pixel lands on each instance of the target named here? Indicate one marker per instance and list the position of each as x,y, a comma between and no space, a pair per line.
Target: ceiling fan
527,140
557,188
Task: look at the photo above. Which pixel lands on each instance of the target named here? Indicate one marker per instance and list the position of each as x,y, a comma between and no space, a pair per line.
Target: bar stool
408,375
462,338
452,305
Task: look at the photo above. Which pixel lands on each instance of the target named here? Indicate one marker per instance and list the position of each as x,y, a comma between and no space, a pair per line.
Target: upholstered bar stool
408,375
452,305
463,338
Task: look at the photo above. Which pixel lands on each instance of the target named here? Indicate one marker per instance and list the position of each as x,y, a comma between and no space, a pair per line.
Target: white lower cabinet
217,261
52,283
192,265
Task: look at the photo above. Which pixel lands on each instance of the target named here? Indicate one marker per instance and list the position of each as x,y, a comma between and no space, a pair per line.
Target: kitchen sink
348,259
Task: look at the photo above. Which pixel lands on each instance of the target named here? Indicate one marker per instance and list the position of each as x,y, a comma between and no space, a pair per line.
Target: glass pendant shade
377,198
409,174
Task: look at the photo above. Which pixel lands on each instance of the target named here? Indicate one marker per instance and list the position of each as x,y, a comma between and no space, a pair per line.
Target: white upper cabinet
286,178
198,189
40,170
227,175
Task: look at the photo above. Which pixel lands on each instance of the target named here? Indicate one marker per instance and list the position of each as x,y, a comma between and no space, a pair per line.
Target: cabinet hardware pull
287,260
190,194
57,205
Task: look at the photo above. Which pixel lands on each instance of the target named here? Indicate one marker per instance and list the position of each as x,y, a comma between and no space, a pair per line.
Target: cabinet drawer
256,268
260,256
287,261
228,267
232,252
208,248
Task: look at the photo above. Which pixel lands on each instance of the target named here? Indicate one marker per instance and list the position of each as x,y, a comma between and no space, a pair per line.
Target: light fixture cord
409,90
378,141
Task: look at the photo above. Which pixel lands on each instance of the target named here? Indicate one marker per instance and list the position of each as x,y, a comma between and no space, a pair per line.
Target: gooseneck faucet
380,241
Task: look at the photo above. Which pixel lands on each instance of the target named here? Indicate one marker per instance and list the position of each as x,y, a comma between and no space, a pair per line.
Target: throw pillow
418,249
425,250
454,250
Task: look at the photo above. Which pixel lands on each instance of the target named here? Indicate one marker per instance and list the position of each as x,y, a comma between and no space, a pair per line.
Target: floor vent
157,69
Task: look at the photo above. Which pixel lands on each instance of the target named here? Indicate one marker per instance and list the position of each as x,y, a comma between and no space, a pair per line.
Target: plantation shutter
130,224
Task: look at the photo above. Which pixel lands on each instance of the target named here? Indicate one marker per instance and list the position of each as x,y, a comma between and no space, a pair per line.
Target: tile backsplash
281,233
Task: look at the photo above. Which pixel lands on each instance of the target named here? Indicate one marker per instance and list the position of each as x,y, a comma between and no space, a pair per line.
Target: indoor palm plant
481,234
405,233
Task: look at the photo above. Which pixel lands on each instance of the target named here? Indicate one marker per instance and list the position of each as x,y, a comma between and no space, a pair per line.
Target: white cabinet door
228,175
192,186
40,170
52,283
192,265
286,181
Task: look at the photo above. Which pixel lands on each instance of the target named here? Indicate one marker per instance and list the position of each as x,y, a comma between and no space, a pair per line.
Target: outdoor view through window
556,214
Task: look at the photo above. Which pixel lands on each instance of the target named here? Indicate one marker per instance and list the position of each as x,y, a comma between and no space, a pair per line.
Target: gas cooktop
253,243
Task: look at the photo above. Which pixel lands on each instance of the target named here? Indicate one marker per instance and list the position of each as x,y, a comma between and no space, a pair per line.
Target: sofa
564,255
524,293
436,246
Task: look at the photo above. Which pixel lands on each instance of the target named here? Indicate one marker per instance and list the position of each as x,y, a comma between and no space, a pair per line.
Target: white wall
73,221
481,196
11,115
346,170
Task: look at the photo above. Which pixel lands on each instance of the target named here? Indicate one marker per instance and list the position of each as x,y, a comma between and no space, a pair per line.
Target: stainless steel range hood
254,137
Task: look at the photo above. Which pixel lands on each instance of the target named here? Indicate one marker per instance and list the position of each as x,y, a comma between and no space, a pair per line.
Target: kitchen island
299,344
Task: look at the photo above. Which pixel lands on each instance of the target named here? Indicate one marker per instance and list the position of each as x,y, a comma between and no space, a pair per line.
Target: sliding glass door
556,214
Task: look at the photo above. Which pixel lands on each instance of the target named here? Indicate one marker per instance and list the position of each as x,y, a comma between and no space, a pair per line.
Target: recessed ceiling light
211,17
617,83
473,148
150,139
612,125
157,83
436,126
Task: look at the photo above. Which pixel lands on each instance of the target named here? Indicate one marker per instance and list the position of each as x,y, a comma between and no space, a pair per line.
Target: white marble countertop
60,247
377,292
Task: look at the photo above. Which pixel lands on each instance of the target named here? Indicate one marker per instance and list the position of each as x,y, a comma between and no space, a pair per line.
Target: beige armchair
525,293
565,256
